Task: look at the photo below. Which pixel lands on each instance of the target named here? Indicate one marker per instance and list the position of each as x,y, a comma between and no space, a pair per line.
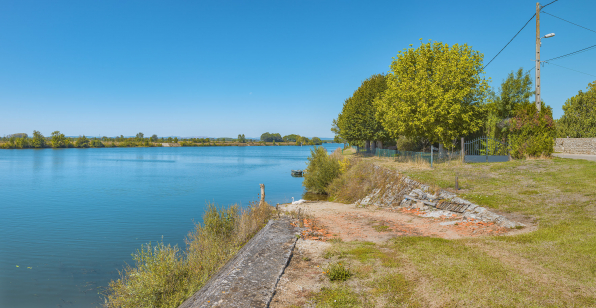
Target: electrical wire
572,69
548,4
533,67
571,53
512,39
569,22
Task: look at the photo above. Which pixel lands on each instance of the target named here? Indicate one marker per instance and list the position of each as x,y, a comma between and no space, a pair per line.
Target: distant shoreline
6,146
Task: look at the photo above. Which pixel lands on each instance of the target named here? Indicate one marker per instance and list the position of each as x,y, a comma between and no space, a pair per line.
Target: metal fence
413,157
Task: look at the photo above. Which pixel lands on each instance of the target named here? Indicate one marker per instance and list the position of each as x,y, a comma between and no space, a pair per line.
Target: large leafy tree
58,140
267,137
357,121
38,141
515,92
435,91
579,120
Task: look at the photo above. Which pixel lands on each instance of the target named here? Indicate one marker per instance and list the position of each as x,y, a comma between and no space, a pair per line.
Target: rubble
410,194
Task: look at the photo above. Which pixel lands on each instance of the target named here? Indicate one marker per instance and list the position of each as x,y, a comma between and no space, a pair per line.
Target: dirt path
325,221
352,223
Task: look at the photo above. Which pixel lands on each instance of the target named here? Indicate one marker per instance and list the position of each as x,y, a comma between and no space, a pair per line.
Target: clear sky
223,68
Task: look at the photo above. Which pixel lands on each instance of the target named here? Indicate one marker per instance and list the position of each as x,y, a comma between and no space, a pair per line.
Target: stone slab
250,278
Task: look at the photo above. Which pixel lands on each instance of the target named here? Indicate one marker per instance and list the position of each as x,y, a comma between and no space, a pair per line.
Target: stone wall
576,145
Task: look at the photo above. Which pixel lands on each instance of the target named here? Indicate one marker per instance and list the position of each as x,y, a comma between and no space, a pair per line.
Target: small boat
296,172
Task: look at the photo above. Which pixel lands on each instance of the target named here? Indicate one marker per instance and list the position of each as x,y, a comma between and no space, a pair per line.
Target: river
71,218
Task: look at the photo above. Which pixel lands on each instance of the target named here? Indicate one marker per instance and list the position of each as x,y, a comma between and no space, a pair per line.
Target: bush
321,170
532,134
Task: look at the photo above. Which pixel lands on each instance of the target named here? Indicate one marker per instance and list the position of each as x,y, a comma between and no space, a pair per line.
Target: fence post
486,148
463,152
431,156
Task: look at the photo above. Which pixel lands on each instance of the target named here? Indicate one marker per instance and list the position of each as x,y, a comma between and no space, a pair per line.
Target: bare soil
327,221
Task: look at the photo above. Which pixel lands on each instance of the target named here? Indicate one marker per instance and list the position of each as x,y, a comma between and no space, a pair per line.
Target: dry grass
165,276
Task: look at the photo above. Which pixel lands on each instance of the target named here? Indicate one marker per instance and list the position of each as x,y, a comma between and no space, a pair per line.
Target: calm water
70,218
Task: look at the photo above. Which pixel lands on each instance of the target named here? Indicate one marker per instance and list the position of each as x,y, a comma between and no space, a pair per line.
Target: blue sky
223,68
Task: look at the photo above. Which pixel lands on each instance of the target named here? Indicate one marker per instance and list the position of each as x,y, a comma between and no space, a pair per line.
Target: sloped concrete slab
250,278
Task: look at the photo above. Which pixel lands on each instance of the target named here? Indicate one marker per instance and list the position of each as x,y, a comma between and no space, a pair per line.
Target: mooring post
262,194
456,184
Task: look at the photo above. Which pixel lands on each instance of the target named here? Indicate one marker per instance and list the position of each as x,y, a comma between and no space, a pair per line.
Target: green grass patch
339,296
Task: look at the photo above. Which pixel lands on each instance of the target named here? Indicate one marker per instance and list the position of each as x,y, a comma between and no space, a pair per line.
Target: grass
552,266
165,276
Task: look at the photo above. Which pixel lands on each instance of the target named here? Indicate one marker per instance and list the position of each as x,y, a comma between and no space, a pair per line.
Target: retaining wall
576,145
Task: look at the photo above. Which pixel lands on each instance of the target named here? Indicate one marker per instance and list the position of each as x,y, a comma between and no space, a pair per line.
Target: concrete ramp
249,279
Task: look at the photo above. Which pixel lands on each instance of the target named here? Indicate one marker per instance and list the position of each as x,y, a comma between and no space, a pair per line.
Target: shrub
532,134
337,272
321,170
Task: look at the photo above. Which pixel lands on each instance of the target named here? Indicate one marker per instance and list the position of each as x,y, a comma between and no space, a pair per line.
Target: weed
337,271
381,228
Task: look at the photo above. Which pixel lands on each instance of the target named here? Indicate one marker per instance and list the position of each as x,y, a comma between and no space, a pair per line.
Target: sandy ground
325,221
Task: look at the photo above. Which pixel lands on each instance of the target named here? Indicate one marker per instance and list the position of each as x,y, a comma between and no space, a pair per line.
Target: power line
548,4
572,53
569,22
512,39
572,69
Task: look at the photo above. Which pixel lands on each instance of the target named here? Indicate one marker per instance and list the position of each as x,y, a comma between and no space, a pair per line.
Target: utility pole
537,97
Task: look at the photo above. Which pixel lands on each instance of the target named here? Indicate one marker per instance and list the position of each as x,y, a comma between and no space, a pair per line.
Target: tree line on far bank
437,93
59,140
267,137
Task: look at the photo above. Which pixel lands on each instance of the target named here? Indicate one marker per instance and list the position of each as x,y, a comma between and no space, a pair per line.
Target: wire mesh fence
413,157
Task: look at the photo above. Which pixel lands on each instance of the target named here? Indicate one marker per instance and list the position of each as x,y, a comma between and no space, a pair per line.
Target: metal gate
486,150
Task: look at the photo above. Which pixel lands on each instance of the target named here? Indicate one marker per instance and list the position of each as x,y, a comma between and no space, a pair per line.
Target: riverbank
397,257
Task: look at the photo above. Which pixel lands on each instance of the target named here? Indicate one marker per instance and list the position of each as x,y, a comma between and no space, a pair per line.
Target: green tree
290,138
267,137
357,120
579,119
154,138
140,136
58,140
175,139
514,92
336,131
38,140
316,141
82,142
435,91
241,138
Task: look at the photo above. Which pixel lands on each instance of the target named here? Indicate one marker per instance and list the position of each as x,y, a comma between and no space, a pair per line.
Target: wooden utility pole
537,97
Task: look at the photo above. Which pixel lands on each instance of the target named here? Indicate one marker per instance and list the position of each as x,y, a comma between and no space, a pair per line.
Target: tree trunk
441,150
367,145
373,147
380,144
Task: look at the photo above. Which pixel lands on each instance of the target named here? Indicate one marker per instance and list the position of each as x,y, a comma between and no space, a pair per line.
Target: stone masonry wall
576,145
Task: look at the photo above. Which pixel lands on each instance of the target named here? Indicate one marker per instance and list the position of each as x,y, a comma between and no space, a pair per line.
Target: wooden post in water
262,194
